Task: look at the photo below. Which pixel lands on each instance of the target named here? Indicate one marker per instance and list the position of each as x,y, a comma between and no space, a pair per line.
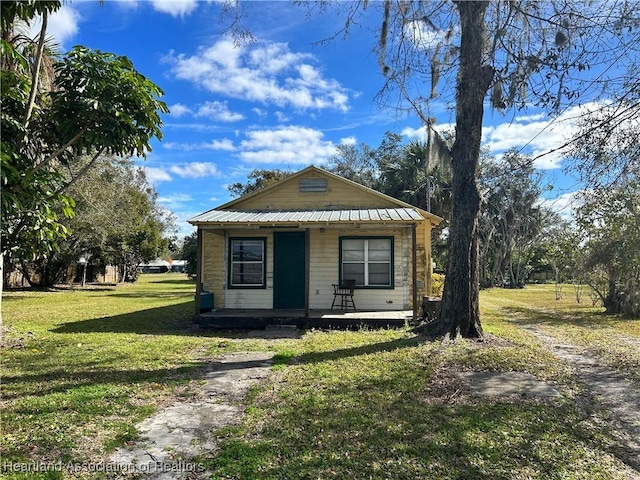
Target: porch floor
232,318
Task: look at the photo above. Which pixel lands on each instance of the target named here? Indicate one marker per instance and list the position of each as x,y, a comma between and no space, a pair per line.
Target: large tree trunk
613,301
460,314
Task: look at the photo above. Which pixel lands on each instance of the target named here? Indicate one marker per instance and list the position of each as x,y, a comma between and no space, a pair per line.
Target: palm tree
419,177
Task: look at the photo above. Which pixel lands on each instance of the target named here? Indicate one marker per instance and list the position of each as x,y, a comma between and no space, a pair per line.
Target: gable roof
216,215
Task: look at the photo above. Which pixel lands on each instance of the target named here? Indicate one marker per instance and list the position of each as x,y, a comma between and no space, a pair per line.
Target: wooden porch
339,319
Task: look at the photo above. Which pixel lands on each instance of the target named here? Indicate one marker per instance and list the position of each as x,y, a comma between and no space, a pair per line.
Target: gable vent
312,184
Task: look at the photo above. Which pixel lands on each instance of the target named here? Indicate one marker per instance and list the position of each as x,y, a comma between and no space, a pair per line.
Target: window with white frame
367,260
247,261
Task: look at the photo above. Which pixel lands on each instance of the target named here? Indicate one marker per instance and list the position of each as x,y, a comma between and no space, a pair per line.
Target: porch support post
307,270
414,271
198,272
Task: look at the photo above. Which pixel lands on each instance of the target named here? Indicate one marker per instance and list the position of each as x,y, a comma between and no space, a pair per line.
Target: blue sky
283,101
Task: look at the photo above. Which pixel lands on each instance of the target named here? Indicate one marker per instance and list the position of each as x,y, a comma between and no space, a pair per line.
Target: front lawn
81,367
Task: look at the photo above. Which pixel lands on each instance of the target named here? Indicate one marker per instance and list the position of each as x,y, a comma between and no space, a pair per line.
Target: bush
437,284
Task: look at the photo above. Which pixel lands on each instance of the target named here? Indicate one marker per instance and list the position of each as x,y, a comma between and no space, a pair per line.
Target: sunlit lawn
615,339
81,367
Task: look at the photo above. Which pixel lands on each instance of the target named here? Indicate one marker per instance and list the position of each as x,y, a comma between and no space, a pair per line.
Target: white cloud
175,8
175,201
419,133
62,25
536,137
288,145
264,72
218,111
127,4
156,175
196,127
534,134
348,141
281,117
563,204
187,170
178,110
427,37
224,144
196,170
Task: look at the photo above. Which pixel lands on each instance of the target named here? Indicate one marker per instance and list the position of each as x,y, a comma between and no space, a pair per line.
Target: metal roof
370,215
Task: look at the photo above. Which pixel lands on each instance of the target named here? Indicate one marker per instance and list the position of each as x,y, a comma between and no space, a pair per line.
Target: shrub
437,284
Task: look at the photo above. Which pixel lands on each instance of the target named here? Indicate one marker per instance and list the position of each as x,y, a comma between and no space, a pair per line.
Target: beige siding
215,272
324,266
338,195
252,297
213,265
325,269
324,246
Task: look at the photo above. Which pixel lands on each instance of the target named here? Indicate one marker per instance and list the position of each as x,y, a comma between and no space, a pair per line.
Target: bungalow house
281,249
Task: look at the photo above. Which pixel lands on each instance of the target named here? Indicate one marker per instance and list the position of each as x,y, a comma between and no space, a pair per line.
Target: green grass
372,405
615,339
80,368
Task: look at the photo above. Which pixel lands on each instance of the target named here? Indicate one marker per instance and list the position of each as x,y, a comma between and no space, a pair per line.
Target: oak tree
501,53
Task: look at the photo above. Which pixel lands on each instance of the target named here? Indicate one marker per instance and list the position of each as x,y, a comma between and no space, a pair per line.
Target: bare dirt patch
500,384
9,338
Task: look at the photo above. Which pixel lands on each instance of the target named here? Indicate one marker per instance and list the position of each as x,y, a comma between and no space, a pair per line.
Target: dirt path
172,437
614,399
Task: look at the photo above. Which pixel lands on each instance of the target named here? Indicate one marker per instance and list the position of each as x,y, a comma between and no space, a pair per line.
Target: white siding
324,266
325,269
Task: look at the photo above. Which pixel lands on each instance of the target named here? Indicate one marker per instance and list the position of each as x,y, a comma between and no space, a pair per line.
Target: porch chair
344,291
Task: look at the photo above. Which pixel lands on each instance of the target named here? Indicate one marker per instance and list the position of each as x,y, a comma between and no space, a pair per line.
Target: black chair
344,292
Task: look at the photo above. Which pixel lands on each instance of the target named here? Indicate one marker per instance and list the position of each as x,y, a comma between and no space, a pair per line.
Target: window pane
247,250
379,274
353,250
379,249
247,266
246,274
353,271
379,255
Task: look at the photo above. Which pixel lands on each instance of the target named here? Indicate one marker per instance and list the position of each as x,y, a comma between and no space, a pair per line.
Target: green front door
288,270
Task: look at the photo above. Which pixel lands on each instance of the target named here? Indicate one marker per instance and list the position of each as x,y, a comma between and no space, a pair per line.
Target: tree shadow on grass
372,348
527,315
169,320
177,282
62,381
149,295
92,374
384,428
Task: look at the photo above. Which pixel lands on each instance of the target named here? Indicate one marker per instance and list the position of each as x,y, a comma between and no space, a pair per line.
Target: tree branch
55,154
82,171
35,72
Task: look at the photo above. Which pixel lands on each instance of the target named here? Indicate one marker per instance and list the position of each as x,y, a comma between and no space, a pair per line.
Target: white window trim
367,262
